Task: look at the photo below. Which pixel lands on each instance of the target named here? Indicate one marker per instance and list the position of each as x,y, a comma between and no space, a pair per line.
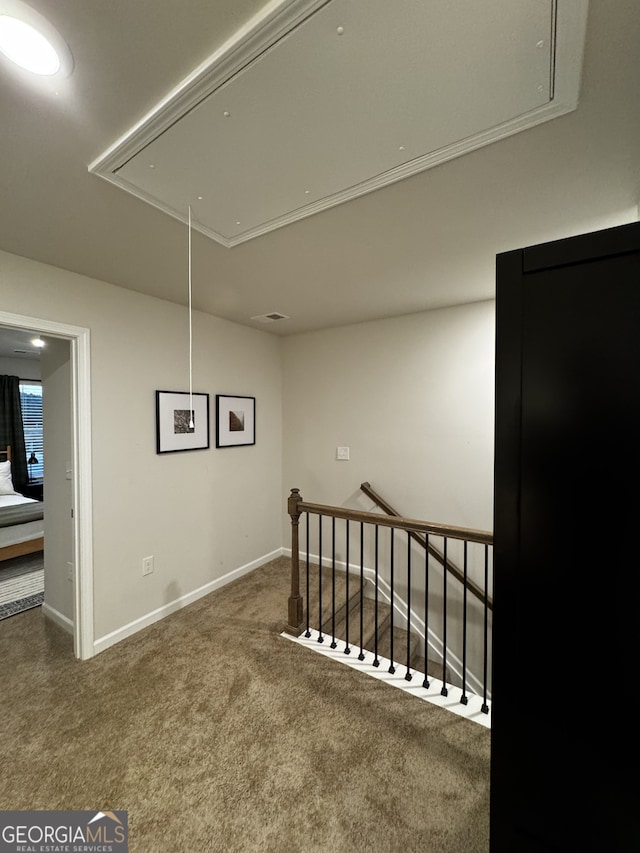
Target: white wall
202,514
23,368
412,397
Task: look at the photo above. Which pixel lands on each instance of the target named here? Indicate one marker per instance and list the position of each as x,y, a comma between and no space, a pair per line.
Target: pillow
6,483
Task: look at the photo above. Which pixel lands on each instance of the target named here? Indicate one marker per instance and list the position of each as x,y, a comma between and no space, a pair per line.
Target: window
31,402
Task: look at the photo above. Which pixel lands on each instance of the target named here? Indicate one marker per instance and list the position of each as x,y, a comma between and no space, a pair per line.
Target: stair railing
420,531
450,566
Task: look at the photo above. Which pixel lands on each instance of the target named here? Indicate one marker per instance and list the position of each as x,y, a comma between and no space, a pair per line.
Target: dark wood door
567,525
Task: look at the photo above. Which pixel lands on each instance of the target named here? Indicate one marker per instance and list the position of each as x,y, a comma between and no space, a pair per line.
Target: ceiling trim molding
273,22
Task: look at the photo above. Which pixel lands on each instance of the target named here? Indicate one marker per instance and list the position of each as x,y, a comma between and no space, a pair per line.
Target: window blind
31,403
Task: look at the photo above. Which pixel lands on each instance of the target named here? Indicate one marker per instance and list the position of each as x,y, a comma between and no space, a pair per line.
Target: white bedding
13,500
20,532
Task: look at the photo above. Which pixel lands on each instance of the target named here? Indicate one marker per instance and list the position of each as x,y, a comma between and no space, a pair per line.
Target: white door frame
79,337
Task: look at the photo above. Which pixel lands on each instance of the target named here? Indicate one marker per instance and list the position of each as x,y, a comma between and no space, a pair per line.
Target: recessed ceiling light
27,47
30,41
38,342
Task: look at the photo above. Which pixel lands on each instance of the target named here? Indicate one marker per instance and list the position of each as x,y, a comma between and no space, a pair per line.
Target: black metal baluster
347,649
320,637
361,655
425,683
485,706
464,699
444,691
307,633
408,675
376,661
392,668
333,583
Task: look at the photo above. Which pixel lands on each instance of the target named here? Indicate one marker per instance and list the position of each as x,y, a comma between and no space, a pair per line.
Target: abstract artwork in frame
173,417
235,420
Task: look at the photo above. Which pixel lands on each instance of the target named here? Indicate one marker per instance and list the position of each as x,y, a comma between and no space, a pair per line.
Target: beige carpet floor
218,735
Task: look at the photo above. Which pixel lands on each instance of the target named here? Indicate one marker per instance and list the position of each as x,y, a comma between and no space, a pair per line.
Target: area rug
21,584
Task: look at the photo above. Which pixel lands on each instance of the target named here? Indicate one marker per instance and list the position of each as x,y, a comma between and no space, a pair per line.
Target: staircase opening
404,600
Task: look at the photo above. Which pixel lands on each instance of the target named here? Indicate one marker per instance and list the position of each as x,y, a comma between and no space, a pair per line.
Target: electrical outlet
342,453
147,565
70,572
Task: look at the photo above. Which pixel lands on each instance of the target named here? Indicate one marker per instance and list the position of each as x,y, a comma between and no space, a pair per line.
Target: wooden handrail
483,537
416,529
410,524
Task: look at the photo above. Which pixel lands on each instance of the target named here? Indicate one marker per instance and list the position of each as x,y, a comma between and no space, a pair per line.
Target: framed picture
235,420
177,426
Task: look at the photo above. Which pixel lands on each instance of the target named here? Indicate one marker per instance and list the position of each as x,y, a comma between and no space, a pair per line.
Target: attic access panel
315,103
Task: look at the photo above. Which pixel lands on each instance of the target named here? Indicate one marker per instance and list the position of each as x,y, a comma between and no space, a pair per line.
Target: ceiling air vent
271,318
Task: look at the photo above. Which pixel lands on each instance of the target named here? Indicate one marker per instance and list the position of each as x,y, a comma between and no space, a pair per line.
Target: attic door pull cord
191,426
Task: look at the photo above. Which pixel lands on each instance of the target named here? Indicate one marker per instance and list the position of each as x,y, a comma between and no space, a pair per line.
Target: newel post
294,625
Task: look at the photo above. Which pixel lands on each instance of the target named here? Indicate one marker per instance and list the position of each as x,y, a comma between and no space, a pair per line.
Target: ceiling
17,343
329,99
419,241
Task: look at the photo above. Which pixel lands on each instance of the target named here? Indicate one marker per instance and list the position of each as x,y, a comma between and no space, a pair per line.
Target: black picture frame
235,420
173,434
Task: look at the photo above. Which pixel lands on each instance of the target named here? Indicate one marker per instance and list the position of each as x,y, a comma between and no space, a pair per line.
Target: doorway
79,471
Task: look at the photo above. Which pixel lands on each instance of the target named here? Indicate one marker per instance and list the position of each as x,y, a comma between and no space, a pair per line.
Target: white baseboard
179,603
57,617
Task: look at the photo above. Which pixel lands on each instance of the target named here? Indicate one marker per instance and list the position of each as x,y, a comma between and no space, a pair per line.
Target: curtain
11,429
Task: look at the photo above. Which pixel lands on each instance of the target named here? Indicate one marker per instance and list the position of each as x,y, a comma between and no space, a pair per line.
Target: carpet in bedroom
21,584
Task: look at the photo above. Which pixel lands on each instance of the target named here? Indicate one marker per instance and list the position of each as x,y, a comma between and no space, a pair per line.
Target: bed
21,518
